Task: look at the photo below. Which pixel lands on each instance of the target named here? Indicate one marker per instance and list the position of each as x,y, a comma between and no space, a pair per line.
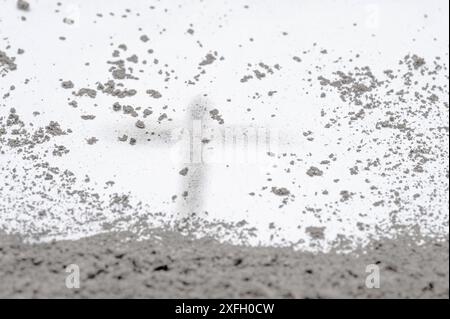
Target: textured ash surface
172,266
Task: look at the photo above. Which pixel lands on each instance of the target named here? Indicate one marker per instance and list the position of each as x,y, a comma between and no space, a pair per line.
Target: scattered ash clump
7,64
88,117
23,5
115,89
216,116
140,124
259,71
67,85
417,61
15,135
314,171
60,150
406,108
144,38
209,59
282,191
133,59
86,92
117,107
119,72
68,21
123,138
352,86
162,117
316,232
147,112
49,203
119,69
54,129
154,94
92,140
345,195
127,109
73,104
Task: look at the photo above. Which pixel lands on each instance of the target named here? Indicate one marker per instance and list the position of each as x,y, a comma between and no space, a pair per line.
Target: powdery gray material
314,171
209,59
67,84
173,266
154,94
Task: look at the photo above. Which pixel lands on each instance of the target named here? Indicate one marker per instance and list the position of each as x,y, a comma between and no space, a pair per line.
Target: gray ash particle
88,117
6,63
119,74
314,171
111,88
68,21
316,232
87,92
128,109
54,129
67,84
73,104
245,78
162,117
60,150
209,59
184,171
92,140
417,61
134,59
154,94
117,107
123,138
147,112
281,191
259,75
23,5
144,38
140,124
345,195
216,116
